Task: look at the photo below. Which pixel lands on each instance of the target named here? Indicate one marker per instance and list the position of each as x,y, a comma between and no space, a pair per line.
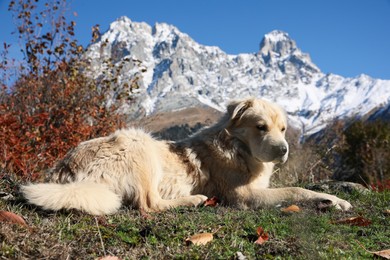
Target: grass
129,235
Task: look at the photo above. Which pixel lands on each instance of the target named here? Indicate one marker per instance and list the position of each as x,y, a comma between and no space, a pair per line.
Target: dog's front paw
337,203
199,199
343,205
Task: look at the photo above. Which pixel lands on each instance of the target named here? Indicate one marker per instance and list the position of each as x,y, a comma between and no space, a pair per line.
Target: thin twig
100,236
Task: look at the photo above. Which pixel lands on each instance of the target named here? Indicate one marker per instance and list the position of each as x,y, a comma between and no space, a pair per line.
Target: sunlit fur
232,160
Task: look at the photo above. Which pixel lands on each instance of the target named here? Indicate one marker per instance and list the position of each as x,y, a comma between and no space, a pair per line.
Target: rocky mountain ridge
182,73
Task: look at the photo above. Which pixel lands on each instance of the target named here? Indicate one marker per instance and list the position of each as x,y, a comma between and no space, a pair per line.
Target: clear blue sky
345,37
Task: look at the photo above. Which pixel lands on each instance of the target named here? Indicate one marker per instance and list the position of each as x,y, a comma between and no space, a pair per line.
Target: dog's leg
267,197
151,200
159,204
193,200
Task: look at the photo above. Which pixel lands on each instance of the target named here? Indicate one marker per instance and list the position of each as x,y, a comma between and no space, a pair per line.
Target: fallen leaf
263,236
386,212
292,208
211,202
384,253
108,257
102,220
354,221
200,239
6,216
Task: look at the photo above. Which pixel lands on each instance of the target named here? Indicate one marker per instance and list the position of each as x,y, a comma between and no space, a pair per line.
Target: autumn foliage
43,118
49,106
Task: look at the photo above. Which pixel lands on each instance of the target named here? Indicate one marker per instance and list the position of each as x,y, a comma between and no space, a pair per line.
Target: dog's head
261,126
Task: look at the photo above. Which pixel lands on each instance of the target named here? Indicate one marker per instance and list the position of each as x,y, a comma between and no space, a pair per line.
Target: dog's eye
262,127
283,129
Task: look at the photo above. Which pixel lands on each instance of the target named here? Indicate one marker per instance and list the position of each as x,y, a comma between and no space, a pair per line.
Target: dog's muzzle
280,153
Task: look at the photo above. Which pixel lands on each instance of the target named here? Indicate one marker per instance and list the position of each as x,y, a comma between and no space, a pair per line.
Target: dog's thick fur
232,160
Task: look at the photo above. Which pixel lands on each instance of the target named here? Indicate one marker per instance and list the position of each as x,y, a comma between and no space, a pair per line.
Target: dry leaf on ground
211,202
384,253
6,216
109,257
102,220
200,239
292,208
354,221
263,236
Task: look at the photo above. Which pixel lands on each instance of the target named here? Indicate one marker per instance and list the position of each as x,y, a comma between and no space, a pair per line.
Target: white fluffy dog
232,160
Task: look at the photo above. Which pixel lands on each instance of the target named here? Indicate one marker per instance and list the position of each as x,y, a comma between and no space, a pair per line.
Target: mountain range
175,72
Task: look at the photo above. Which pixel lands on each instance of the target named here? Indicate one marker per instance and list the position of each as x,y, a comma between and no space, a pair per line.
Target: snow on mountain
183,73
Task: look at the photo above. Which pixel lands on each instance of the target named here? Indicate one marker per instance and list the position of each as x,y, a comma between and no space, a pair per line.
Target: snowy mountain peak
183,73
123,23
278,50
277,36
161,29
277,43
123,19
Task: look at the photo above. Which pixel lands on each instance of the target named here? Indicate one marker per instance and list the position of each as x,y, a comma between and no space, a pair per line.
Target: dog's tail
93,198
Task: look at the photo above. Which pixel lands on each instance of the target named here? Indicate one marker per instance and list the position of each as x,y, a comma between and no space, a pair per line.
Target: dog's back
75,161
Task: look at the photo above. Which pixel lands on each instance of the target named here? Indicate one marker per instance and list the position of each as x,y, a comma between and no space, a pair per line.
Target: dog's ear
237,108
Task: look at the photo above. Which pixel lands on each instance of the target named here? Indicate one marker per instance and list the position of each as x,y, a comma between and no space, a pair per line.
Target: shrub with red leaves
50,106
38,126
381,186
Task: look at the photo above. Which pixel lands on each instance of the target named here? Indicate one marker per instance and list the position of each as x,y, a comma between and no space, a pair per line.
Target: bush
44,117
348,150
307,162
50,106
363,153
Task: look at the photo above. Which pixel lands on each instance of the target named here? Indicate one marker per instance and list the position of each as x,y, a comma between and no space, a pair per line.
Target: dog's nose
282,150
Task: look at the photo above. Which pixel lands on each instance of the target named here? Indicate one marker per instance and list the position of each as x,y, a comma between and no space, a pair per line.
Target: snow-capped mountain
183,73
